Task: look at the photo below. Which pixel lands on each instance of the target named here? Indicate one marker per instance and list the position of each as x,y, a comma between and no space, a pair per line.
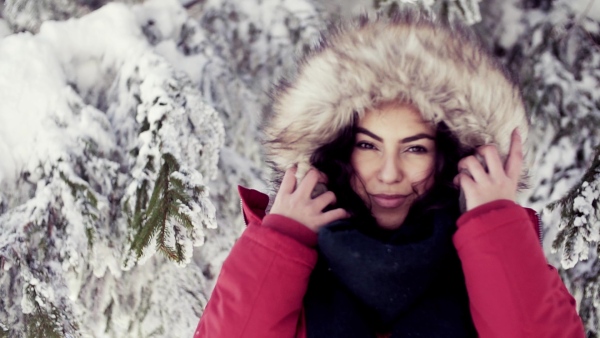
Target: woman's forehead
395,116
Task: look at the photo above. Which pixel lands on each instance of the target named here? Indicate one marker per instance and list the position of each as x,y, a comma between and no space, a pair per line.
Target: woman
416,133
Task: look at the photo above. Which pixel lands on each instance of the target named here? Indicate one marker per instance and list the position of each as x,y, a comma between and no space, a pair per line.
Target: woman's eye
365,145
417,149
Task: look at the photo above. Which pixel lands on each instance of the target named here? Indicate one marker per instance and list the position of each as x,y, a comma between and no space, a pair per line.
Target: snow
511,23
166,15
589,8
21,130
4,29
96,80
27,305
27,136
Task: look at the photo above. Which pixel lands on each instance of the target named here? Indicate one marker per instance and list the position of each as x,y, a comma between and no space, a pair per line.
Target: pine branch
39,323
89,207
575,221
590,175
162,209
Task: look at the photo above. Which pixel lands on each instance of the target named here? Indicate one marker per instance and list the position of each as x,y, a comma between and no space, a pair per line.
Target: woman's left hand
499,182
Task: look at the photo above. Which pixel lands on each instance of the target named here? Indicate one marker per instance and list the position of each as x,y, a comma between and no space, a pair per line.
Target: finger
308,183
514,163
288,183
322,177
492,159
324,200
466,183
473,167
457,177
334,215
456,180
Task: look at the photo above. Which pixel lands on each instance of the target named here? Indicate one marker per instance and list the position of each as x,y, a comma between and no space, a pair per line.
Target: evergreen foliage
578,233
555,54
580,211
169,202
158,120
65,241
240,50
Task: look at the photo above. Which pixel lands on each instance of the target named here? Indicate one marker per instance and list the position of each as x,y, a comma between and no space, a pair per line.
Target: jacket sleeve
262,283
513,292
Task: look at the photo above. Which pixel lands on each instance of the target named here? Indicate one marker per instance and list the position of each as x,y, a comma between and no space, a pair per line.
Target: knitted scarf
407,282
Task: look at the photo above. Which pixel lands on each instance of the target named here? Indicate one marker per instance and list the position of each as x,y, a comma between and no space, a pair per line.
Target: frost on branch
579,227
578,241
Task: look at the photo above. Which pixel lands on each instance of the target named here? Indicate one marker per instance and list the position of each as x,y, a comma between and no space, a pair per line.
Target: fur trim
441,69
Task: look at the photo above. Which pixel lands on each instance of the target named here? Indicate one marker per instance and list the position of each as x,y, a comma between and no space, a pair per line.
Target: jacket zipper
540,228
242,211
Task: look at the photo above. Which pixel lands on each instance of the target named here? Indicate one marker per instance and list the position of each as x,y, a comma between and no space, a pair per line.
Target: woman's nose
390,170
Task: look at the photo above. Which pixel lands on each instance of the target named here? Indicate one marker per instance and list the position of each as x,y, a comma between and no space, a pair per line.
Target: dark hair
333,159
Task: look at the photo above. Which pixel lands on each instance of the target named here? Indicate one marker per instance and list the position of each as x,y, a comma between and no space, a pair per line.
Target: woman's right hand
296,202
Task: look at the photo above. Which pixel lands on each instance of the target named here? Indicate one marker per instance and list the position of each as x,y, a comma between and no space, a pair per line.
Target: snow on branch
176,153
556,58
579,227
103,116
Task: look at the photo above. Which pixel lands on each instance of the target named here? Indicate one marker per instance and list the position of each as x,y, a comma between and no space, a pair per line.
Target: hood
439,68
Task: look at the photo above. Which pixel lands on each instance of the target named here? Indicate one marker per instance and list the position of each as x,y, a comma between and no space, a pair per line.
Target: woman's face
393,160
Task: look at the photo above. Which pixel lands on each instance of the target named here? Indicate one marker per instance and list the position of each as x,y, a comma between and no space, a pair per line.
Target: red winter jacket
513,292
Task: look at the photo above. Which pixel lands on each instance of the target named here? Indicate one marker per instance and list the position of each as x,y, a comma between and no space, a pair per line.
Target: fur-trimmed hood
441,69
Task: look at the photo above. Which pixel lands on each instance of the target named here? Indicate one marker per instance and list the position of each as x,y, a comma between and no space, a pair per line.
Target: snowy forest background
125,127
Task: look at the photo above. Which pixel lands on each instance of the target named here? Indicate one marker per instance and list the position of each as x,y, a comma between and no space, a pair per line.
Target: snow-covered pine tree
562,52
578,240
553,47
237,50
226,61
108,163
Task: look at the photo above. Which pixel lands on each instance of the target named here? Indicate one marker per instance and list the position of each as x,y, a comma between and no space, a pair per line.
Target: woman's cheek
423,174
359,188
361,163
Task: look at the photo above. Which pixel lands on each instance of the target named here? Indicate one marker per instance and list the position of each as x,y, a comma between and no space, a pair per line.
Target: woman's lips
388,201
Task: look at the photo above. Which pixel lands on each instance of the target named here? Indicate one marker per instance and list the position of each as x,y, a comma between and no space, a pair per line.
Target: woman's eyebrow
404,140
369,133
416,137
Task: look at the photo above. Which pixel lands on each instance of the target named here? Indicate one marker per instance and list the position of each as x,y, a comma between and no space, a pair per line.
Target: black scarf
408,281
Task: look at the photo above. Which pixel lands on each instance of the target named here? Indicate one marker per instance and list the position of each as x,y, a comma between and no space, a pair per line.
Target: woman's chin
390,222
